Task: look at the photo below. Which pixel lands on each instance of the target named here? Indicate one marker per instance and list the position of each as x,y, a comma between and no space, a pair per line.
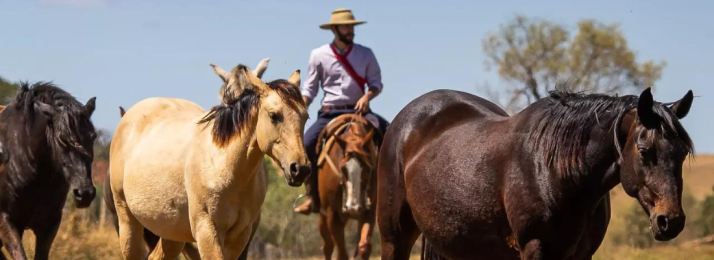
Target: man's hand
363,105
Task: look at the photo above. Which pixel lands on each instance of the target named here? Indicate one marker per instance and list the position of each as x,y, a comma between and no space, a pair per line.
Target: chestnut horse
346,166
477,183
190,175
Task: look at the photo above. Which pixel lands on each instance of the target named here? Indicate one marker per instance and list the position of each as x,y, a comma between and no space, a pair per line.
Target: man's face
345,33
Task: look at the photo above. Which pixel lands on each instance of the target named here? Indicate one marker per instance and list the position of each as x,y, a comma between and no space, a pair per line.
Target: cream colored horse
189,175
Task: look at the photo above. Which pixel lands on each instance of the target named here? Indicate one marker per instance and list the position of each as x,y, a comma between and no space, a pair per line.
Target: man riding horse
343,69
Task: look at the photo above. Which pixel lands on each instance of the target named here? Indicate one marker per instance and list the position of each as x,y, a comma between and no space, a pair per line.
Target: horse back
149,118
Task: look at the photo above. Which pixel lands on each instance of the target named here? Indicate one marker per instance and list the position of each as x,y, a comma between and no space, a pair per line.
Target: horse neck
241,156
31,159
601,159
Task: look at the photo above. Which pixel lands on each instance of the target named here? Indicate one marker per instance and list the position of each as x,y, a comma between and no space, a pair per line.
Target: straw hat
341,16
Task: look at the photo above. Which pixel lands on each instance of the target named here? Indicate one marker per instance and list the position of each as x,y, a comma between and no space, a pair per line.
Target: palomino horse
189,251
347,189
51,141
188,175
478,184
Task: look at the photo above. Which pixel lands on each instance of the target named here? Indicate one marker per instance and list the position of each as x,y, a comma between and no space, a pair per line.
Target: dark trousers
310,142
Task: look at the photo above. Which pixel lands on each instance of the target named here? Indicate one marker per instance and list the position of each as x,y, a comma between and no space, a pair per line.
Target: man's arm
374,76
374,81
309,89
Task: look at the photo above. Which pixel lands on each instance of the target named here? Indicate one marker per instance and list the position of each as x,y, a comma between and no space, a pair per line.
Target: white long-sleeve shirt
324,70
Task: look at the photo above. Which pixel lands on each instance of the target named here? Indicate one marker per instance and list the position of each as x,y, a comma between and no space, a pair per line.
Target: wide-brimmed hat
341,16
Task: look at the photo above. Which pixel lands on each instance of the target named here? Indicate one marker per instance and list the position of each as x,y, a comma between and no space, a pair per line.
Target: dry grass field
81,238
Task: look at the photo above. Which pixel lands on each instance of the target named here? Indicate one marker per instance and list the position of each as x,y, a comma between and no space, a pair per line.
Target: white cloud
74,3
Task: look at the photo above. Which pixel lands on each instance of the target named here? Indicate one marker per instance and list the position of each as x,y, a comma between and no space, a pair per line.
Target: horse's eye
274,117
642,151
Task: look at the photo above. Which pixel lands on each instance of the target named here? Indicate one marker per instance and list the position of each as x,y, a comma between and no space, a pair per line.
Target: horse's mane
566,119
69,119
234,115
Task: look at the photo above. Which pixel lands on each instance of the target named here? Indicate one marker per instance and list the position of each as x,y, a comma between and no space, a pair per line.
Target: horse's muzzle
84,197
667,226
297,174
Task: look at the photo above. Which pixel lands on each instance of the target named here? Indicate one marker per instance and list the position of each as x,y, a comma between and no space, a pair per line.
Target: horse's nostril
662,222
77,193
294,168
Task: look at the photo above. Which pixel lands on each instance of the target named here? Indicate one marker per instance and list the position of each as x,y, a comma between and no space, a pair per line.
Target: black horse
50,138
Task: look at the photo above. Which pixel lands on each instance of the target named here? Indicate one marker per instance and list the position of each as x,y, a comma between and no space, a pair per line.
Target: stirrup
298,198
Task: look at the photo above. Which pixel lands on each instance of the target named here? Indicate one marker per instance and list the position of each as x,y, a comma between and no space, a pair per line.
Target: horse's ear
90,106
260,69
295,78
223,74
645,114
121,111
682,106
45,109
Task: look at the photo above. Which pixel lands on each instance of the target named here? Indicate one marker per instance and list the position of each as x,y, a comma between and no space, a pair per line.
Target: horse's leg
244,254
366,226
397,227
131,233
166,249
327,245
237,242
337,230
151,240
209,242
11,238
191,252
45,235
533,251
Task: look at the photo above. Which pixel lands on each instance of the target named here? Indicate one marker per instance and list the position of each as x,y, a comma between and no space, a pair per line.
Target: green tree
101,145
7,90
536,55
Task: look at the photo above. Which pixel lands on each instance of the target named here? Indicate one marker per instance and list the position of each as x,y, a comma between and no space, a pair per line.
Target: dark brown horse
479,184
346,183
50,137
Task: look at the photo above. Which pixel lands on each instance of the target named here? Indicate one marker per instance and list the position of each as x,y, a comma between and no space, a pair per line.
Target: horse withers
50,138
478,183
347,183
190,175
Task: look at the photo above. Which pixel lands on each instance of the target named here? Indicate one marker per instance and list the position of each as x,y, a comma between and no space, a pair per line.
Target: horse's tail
109,201
428,252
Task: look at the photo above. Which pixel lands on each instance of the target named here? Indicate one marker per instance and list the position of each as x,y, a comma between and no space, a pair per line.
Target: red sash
348,67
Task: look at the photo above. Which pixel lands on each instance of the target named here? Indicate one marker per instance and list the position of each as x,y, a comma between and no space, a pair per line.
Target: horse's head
357,165
652,158
280,116
60,127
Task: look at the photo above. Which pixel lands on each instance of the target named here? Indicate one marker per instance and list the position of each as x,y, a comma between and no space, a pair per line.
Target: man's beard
343,37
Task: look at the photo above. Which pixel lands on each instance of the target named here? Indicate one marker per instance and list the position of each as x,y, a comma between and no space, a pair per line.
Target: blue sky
125,51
